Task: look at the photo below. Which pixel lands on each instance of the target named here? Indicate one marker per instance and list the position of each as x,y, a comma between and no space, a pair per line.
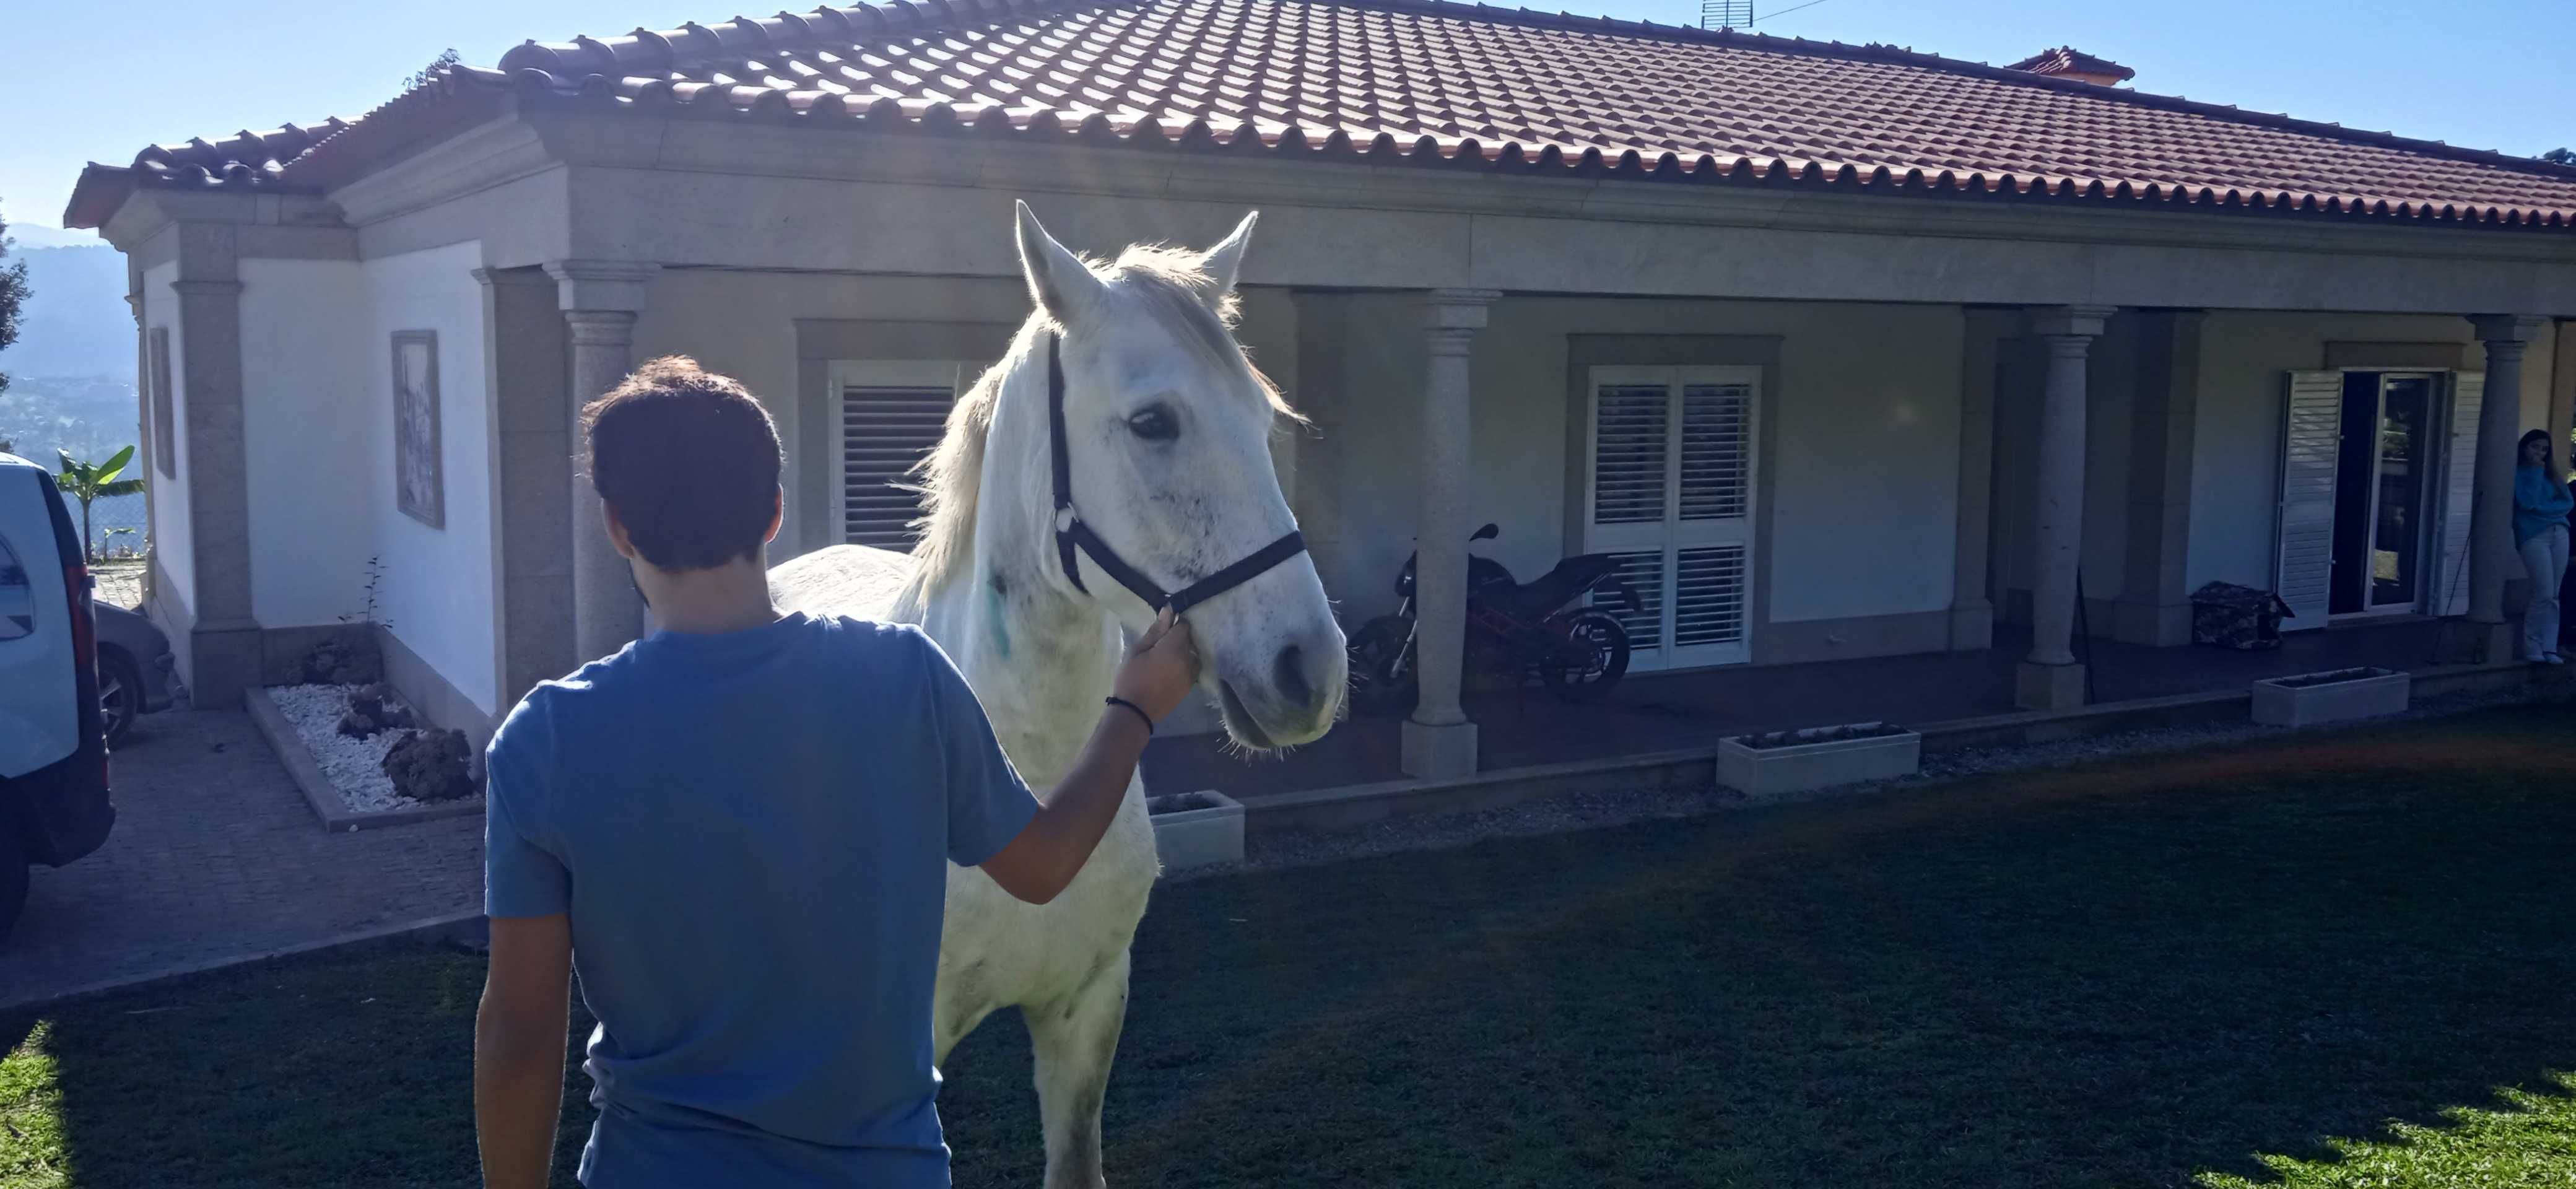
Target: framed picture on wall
165,440
420,487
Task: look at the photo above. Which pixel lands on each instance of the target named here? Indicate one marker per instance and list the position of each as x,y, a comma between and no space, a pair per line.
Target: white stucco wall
1862,466
2236,457
308,437
438,585
173,544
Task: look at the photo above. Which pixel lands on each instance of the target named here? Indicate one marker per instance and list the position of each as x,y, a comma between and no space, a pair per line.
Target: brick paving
216,857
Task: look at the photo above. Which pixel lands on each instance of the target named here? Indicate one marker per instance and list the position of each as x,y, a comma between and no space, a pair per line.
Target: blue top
752,833
2537,503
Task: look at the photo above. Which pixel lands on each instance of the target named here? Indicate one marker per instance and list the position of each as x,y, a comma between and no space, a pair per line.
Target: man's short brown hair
689,461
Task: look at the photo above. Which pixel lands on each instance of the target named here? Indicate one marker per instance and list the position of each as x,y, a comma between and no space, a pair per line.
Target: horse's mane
1173,284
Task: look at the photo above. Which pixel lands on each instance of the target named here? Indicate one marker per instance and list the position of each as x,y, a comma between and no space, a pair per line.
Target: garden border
318,790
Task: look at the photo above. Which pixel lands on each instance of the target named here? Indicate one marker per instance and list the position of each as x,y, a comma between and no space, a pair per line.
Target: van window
17,597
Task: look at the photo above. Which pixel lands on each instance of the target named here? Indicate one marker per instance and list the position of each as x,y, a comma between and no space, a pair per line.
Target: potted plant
1196,829
1775,763
2311,698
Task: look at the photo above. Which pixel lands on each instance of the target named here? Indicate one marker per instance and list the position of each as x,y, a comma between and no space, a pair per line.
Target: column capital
2064,321
193,288
2497,329
1457,309
601,284
601,328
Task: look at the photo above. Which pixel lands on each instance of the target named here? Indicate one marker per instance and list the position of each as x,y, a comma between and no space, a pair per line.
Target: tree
88,482
2560,156
13,296
436,65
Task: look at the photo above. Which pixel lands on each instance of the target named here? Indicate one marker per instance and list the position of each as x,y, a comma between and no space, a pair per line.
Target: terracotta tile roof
2067,59
1428,82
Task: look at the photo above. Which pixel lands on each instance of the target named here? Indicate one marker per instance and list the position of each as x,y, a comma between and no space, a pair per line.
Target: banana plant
88,482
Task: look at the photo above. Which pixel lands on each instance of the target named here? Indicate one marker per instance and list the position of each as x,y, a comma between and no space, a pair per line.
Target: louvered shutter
1671,498
2459,492
2311,438
885,432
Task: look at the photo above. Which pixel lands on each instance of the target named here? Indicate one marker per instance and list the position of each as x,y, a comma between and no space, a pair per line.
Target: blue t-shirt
2539,502
752,833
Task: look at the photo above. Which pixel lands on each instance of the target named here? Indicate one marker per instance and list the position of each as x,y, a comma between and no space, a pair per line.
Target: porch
1657,714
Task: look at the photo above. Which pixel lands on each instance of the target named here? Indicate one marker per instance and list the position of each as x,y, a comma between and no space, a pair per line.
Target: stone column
599,299
1972,611
2492,560
224,646
2154,608
2051,679
524,360
1439,742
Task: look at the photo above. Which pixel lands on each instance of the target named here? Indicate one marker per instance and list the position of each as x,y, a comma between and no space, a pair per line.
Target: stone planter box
1784,762
2312,698
1198,829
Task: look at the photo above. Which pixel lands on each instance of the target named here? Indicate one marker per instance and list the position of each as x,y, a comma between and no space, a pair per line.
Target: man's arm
1073,816
519,1049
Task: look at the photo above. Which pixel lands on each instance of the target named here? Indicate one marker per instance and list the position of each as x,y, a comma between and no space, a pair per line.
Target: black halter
1071,533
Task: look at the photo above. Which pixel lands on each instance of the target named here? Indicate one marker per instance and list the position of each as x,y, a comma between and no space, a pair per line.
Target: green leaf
121,487
115,462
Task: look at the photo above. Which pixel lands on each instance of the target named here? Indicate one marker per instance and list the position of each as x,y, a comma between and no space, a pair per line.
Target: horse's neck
1039,659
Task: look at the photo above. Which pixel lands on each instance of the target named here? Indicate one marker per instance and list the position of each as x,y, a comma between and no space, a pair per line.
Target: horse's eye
1155,424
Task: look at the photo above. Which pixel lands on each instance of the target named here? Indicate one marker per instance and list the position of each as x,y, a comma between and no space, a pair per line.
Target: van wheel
13,880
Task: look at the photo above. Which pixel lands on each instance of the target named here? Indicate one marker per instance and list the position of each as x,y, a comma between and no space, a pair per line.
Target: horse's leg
1076,1037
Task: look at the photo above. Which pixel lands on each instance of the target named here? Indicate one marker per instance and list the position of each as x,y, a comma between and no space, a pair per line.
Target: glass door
2399,485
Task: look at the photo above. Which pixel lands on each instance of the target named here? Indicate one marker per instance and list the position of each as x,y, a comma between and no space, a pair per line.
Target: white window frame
1673,534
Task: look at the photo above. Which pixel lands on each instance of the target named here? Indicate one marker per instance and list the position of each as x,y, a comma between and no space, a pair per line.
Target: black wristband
1134,709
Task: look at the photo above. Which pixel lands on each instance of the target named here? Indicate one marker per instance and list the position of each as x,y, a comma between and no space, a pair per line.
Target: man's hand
1071,818
1161,668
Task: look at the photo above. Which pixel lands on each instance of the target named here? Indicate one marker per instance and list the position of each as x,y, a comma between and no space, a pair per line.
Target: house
1850,351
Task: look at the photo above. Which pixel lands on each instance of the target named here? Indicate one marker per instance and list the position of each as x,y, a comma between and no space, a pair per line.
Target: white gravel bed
1592,811
355,766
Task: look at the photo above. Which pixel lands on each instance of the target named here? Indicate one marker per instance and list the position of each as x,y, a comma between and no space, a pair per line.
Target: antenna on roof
1725,14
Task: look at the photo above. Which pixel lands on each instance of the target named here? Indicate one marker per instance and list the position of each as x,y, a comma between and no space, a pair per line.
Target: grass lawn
2329,961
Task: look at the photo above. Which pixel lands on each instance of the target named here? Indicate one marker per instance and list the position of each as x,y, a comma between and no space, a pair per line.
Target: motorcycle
1578,652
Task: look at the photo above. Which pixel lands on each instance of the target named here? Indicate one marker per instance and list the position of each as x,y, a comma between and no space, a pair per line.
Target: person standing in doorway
2540,509
739,831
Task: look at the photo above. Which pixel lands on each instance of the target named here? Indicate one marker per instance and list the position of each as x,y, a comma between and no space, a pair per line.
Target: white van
54,804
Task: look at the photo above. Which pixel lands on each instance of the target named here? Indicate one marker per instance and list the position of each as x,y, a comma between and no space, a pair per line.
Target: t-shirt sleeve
988,803
520,877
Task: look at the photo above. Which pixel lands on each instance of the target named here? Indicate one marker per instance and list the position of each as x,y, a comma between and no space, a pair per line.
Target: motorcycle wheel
1382,676
1601,661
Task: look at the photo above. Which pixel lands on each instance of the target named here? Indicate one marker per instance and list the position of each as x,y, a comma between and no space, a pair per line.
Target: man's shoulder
873,640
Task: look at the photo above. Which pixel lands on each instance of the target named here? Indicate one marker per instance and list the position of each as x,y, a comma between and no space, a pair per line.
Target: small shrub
431,766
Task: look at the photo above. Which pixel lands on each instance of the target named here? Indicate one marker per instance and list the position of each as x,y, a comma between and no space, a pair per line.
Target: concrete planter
1198,829
1784,762
2312,698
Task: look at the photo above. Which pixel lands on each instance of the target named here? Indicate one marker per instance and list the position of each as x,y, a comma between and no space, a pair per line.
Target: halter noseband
1072,534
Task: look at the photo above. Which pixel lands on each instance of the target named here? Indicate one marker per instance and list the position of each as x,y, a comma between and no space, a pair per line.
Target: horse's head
1167,439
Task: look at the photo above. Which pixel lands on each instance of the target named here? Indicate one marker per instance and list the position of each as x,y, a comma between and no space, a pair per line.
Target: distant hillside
76,322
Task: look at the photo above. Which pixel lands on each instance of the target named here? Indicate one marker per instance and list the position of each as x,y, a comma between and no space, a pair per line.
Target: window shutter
2310,443
1631,431
1717,451
884,433
1708,597
2459,491
1644,574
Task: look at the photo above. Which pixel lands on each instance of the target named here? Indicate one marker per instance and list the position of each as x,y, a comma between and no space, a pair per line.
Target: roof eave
97,195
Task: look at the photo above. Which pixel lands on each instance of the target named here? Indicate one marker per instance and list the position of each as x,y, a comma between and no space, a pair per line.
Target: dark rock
431,766
358,725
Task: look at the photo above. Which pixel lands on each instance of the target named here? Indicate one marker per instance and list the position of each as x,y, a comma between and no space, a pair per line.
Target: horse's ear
1059,281
1225,260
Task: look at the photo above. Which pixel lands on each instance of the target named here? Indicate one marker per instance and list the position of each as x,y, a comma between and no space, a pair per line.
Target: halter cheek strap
1072,535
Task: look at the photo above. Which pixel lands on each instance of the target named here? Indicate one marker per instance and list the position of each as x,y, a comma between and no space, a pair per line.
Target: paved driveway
216,858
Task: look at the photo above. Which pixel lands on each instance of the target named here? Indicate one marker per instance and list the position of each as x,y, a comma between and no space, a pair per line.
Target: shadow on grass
2106,976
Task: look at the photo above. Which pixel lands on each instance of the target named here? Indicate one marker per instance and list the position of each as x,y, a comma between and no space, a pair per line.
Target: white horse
1167,441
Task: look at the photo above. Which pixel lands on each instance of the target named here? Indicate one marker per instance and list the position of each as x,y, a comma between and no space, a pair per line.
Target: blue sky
2484,73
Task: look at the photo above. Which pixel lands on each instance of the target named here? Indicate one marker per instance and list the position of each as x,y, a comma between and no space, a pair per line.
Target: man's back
751,833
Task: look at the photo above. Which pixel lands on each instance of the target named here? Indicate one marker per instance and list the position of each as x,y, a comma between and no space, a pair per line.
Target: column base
2048,687
1439,752
222,660
2468,642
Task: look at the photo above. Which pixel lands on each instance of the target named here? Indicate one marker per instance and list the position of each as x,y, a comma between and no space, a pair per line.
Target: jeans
2545,557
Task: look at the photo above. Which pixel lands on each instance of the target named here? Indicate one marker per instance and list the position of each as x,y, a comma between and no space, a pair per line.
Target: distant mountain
37,235
76,322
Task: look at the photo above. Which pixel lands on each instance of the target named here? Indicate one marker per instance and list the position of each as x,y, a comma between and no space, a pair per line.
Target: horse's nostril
1288,675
